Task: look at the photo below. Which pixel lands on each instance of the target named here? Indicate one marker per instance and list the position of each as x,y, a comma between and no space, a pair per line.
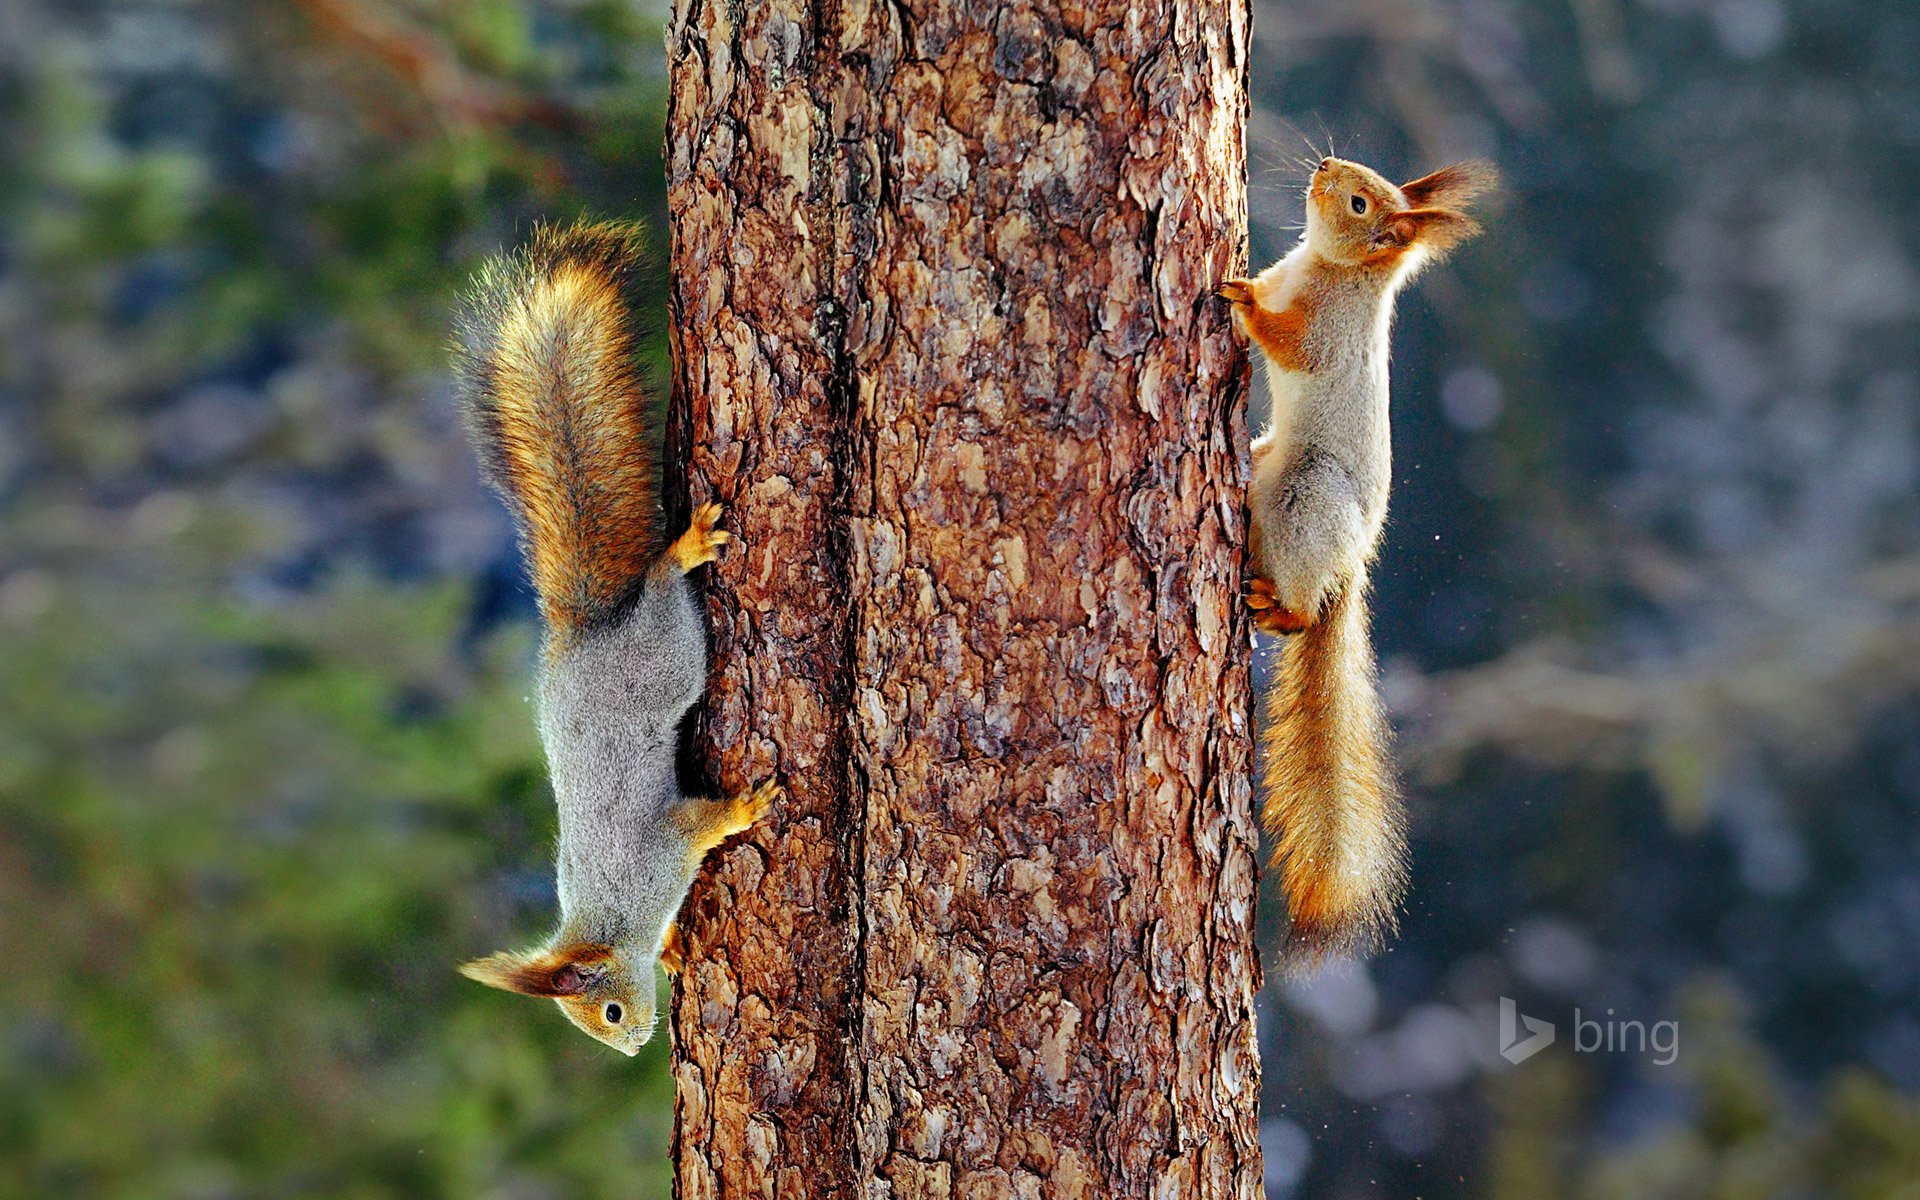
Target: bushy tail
1331,804
556,404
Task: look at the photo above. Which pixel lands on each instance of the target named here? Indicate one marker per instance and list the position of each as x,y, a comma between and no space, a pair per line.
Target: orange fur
673,951
1330,795
1269,615
1451,186
1435,230
556,398
701,542
1331,805
1426,213
1283,335
711,822
557,972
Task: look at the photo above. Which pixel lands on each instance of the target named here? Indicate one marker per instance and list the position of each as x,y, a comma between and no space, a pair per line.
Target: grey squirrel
1322,317
556,406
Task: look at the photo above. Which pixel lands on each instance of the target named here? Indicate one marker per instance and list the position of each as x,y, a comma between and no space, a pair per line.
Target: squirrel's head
1354,215
601,990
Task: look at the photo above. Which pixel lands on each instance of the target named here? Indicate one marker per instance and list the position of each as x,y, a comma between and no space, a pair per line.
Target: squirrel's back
547,362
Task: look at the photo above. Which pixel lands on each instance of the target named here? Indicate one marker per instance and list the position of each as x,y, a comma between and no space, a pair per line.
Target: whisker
1302,135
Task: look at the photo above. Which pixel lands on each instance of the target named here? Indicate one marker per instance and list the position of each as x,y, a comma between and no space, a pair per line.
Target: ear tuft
1452,186
508,971
566,971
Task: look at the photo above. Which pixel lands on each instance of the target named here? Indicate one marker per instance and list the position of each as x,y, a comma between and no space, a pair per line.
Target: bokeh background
1650,609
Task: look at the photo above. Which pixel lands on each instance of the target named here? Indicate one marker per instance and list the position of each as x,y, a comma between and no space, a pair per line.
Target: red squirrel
553,393
1322,317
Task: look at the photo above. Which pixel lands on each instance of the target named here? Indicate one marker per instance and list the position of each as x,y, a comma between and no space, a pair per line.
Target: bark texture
945,346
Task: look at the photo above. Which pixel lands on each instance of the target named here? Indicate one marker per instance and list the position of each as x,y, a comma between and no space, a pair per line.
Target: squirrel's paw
1237,292
711,822
673,951
702,541
749,808
1269,615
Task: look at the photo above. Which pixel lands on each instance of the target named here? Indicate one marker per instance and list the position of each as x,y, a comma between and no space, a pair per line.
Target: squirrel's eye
1359,203
613,1014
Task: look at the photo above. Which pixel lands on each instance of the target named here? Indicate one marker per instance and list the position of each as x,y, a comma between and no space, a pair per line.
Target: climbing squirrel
1322,317
546,361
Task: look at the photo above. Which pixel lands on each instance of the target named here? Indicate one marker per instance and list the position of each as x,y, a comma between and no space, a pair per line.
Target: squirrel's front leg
1281,334
663,637
710,822
707,823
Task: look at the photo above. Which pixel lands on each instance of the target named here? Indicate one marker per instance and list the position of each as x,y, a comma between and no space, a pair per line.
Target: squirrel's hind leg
1313,536
666,643
701,542
662,646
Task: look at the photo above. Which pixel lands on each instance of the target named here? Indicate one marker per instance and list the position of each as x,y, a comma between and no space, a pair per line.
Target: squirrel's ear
1436,230
1453,186
566,971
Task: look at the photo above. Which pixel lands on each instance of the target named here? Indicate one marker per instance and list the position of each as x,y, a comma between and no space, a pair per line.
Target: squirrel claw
702,541
1235,291
758,803
1269,615
1279,621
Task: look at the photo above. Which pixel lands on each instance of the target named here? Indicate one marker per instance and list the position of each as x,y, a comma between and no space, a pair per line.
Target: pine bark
945,347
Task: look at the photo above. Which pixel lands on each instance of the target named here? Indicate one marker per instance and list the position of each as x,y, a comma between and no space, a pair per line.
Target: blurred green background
267,765
1650,607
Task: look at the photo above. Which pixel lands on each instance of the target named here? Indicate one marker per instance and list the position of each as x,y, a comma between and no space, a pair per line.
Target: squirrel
1322,317
545,357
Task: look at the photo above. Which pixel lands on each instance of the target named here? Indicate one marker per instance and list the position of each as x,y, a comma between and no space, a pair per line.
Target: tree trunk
945,346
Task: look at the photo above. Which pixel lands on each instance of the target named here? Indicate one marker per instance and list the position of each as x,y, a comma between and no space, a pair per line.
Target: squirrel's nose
1325,163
